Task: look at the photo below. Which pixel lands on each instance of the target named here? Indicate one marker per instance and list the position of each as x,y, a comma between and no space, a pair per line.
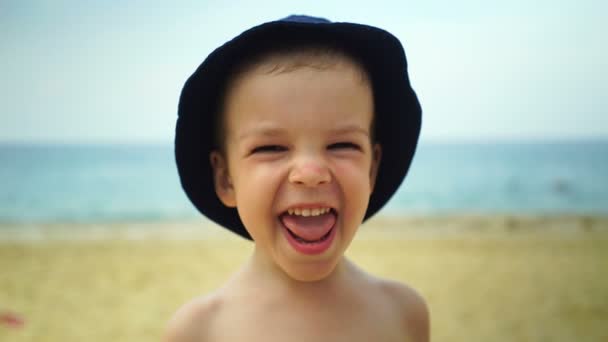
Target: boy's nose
310,173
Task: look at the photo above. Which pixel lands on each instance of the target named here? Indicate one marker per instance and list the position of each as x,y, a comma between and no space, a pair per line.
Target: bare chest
294,324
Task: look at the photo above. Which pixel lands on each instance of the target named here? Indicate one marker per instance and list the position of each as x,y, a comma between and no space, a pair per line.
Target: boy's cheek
353,175
249,178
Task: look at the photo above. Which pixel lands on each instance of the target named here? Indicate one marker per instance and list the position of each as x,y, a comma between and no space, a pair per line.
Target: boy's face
299,164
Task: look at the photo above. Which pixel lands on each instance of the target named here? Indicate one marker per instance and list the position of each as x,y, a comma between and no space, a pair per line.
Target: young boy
291,135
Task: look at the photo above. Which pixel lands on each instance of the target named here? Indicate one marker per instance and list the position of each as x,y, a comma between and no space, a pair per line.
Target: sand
486,278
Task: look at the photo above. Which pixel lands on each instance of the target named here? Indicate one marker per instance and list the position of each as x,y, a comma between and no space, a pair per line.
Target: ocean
99,183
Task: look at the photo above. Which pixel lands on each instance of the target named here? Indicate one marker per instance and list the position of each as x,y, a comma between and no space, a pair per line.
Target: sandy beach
486,278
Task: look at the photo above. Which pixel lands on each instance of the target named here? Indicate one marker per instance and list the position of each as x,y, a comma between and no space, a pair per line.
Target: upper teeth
308,211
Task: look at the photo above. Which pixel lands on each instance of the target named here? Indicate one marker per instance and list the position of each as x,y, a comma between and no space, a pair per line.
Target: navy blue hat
396,107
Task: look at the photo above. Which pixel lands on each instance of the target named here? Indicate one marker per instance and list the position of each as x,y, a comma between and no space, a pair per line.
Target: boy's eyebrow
275,131
263,130
350,129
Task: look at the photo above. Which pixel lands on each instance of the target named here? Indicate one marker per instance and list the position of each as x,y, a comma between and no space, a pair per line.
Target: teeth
308,211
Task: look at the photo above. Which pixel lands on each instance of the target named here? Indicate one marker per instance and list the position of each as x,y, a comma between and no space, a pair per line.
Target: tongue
309,228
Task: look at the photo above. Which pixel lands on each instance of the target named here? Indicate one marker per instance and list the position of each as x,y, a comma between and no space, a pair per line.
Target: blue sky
111,71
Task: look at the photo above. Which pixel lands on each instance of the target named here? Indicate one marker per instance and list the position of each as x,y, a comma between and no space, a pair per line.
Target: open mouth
309,231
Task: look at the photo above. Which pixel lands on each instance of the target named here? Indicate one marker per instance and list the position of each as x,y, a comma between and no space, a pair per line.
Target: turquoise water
139,182
534,178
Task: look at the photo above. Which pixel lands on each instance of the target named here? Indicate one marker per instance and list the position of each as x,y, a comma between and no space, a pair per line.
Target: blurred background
513,153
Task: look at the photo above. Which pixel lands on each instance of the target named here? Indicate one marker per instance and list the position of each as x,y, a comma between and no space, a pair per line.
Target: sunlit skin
300,138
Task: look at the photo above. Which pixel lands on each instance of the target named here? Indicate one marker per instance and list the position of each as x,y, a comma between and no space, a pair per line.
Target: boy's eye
344,145
268,149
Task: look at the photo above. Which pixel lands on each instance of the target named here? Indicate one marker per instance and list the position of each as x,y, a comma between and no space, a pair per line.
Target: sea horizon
138,181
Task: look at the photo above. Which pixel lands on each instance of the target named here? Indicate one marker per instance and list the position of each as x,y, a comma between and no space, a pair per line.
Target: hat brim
397,110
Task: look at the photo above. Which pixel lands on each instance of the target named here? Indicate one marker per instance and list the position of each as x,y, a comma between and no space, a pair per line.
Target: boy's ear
221,179
376,157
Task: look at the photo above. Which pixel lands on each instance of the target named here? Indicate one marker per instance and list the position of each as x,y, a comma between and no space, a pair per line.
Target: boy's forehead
333,99
296,66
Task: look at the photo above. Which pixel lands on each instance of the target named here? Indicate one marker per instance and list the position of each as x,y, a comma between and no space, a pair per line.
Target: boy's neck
263,271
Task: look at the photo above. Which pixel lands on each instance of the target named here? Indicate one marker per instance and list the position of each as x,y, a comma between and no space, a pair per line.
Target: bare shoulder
192,320
411,306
